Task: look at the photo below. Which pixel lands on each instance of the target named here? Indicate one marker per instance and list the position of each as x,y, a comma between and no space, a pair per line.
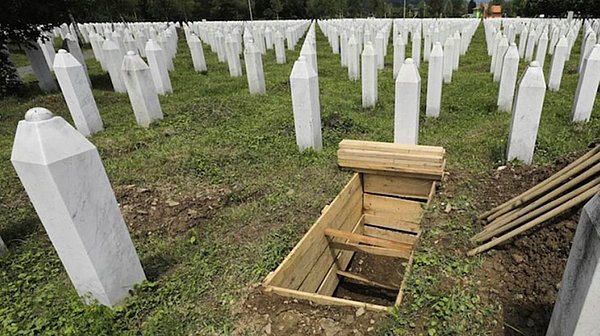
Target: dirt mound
161,210
524,274
262,314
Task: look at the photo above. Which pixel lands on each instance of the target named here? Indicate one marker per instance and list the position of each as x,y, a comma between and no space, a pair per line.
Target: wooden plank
399,158
382,251
377,232
342,261
431,177
362,239
405,277
392,223
431,193
392,208
366,280
388,165
397,186
392,147
323,299
319,269
294,268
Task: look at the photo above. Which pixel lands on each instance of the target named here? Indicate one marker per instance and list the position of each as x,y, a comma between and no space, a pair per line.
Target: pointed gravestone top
302,69
65,60
408,72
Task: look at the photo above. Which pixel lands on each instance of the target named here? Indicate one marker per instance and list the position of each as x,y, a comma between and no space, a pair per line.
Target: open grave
373,223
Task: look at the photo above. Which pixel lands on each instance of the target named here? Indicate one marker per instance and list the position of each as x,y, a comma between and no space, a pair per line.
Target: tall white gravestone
114,58
508,78
197,54
158,67
78,95
434,81
526,114
576,309
254,70
558,64
70,191
407,103
369,76
399,54
141,90
587,86
40,67
304,84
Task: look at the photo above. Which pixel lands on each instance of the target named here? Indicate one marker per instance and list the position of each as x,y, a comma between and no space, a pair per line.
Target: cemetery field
216,195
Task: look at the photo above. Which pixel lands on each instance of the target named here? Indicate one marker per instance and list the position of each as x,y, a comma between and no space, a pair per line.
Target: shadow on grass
18,231
101,82
157,264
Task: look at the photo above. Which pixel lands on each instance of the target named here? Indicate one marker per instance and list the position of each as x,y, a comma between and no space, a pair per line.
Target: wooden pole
566,206
595,182
513,215
563,171
367,281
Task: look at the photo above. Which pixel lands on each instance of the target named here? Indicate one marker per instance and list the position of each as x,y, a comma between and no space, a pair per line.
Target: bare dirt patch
162,210
385,270
524,274
262,314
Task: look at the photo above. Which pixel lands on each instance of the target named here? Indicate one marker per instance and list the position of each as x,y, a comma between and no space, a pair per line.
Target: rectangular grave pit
377,213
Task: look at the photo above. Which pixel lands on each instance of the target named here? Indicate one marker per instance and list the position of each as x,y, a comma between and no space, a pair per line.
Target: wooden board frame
376,206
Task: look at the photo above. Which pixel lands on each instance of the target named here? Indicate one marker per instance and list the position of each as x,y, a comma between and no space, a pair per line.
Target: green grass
216,136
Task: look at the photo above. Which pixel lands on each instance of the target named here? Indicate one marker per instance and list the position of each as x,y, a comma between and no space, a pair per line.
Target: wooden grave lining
379,211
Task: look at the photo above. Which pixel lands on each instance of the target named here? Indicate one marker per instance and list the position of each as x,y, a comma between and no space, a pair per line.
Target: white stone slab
141,90
74,85
407,103
434,81
526,114
578,303
369,76
304,84
64,177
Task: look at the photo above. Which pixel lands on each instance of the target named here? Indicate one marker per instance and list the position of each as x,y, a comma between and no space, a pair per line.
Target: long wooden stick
358,238
555,212
594,183
547,186
366,280
501,221
563,171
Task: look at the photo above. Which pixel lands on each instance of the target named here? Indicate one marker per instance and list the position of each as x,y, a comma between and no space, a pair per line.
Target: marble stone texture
508,78
406,104
559,57
399,54
77,93
141,90
40,67
578,303
306,106
435,76
587,87
158,67
526,114
197,52
114,58
65,180
254,70
369,76
279,48
448,59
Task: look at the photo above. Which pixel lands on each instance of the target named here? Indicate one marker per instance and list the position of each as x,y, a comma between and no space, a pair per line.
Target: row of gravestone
372,36
61,170
526,101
